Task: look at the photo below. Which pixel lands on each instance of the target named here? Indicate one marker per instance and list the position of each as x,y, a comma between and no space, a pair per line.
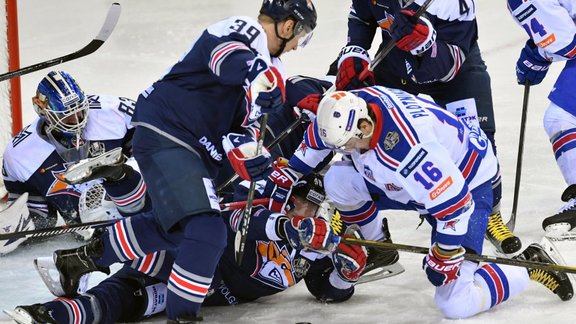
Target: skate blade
19,317
561,236
554,253
381,273
51,277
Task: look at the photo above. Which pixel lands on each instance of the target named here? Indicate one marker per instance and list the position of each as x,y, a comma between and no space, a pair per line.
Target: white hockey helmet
338,117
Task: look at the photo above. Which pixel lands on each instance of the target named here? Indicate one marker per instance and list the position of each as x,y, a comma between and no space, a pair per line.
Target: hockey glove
279,186
309,104
311,233
352,62
241,152
350,259
443,266
531,66
414,37
267,90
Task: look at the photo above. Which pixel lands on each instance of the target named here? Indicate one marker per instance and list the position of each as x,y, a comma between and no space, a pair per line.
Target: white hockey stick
103,34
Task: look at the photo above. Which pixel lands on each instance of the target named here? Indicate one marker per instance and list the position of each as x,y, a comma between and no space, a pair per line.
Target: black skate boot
500,236
557,281
186,319
74,263
381,263
33,314
565,220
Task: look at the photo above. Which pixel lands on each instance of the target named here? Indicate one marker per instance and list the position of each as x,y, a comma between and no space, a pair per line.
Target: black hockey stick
55,231
384,52
467,256
240,239
105,31
512,221
302,119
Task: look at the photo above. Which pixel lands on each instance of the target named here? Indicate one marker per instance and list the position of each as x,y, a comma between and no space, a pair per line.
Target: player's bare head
343,118
288,23
62,104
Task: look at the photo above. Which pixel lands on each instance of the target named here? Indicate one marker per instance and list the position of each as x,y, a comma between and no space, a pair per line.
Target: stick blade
110,22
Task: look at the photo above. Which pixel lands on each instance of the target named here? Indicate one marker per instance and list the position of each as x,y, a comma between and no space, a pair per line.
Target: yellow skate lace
544,278
497,229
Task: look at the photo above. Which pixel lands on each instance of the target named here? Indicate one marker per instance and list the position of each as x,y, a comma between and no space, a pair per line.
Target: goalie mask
63,107
338,118
301,11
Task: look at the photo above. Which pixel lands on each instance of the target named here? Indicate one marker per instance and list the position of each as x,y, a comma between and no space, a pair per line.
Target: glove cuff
443,255
430,38
353,51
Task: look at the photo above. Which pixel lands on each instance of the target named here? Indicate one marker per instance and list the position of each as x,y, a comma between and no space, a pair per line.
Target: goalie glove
241,152
266,92
311,234
350,260
414,37
443,266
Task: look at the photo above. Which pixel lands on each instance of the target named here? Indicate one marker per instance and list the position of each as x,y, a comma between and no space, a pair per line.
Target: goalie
70,126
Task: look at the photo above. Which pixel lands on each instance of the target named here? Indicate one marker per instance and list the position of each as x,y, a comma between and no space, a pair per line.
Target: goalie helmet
62,104
338,118
302,11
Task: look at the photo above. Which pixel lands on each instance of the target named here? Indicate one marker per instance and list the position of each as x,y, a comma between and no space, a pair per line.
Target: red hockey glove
352,61
414,37
241,152
350,259
309,104
442,266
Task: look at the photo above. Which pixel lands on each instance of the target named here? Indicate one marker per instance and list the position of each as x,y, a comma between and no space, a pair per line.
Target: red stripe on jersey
454,207
188,285
123,239
563,140
402,125
146,263
77,314
470,164
138,195
498,286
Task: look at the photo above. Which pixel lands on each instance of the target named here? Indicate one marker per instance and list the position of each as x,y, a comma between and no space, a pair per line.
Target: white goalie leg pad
15,218
50,276
382,273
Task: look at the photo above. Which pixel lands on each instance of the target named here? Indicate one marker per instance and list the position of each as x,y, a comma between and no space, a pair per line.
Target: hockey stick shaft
105,31
467,256
384,52
512,221
302,119
243,232
59,230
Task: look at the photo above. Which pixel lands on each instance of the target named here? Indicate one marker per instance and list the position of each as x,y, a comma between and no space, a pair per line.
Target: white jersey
550,23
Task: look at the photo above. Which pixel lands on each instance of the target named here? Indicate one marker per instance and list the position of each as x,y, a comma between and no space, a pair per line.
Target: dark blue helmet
302,11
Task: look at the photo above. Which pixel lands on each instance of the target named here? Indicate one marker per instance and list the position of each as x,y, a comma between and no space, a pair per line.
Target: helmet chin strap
284,41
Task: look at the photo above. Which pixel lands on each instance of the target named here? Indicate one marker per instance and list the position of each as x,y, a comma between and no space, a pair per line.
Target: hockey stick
467,256
103,34
512,221
240,239
301,120
383,53
59,230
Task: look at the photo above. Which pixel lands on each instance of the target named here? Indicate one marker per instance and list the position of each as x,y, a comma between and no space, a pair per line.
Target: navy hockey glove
352,62
311,233
531,66
414,37
241,152
279,185
350,259
443,266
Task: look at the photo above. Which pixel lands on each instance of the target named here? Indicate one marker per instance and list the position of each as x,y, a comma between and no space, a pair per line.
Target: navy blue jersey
456,29
203,96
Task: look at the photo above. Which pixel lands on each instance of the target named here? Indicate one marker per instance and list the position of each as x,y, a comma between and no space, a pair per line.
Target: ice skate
556,281
31,314
500,236
559,227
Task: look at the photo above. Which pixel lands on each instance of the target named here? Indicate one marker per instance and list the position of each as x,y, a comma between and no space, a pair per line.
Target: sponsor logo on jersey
96,149
547,41
451,224
368,173
211,148
420,155
442,187
392,138
59,187
522,15
386,22
392,187
273,266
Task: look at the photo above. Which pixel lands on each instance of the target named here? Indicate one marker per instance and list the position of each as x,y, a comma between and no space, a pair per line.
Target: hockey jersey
455,24
421,156
32,164
550,23
203,96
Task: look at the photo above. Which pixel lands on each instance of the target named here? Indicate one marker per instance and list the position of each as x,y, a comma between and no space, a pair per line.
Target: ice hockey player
278,256
70,126
422,156
180,121
551,26
437,55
